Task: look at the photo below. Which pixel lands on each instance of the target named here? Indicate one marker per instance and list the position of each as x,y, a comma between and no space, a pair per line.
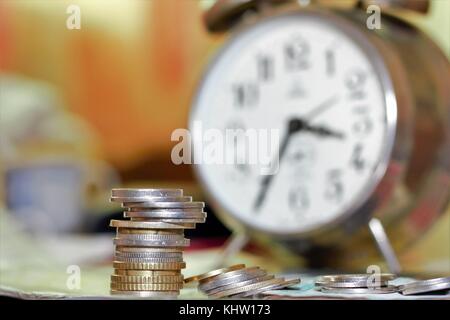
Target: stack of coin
425,286
356,283
149,246
238,281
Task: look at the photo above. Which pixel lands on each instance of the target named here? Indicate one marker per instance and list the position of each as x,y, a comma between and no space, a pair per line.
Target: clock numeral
265,68
355,81
335,189
245,95
298,199
357,160
363,126
330,62
297,55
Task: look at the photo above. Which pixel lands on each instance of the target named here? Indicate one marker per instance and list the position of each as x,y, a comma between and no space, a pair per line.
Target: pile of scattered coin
149,247
425,286
356,283
238,281
377,284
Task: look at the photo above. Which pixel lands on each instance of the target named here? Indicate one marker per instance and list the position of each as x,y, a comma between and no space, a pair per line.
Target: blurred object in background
126,78
47,157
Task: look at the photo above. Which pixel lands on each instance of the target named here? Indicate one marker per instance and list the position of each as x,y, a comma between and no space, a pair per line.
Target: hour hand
323,131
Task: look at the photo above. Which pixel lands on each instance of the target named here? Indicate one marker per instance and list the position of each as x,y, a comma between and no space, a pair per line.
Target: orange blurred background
129,71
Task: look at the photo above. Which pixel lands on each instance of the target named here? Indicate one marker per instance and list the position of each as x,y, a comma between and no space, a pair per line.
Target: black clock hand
294,125
323,131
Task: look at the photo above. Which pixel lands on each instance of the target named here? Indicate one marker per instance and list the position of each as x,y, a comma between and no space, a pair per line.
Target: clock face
308,74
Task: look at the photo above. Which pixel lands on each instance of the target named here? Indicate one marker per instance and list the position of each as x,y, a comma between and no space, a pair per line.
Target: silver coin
232,277
284,284
425,286
148,254
239,284
151,199
144,192
143,243
259,288
248,288
150,237
151,204
288,283
166,214
127,249
380,290
150,225
202,220
424,283
148,260
351,284
355,277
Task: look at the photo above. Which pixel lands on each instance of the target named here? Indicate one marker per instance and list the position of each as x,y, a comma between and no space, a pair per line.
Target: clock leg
235,243
379,234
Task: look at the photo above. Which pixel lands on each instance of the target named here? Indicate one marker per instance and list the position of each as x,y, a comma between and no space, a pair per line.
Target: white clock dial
297,69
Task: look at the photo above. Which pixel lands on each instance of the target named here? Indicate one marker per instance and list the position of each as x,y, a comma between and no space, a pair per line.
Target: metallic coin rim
214,273
149,225
149,243
217,282
250,287
150,236
426,288
136,255
149,273
285,284
120,231
150,249
354,277
147,294
231,273
149,266
146,286
428,282
148,260
164,215
288,283
380,290
183,220
146,279
150,204
239,284
151,199
348,284
137,192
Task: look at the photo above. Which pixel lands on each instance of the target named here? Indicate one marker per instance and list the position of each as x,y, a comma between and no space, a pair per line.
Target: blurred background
85,110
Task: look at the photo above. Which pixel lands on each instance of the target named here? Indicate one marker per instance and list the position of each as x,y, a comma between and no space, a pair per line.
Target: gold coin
149,249
149,273
147,279
146,286
149,265
148,231
147,294
213,273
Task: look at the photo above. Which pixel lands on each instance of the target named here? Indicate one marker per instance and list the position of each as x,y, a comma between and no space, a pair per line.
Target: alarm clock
364,123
